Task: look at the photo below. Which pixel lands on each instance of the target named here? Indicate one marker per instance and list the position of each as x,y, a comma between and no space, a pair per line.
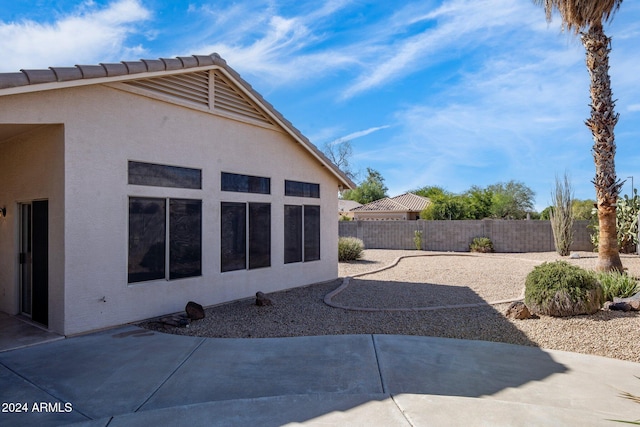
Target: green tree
511,200
583,209
446,207
369,190
586,17
430,191
479,202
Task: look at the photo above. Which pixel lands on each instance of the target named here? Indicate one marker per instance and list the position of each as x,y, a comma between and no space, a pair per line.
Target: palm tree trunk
602,121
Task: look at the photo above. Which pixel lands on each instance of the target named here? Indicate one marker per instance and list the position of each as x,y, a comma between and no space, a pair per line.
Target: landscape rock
177,321
620,306
518,310
262,300
194,311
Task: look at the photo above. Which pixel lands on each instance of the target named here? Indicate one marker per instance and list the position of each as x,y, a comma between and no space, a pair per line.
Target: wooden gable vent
194,88
229,99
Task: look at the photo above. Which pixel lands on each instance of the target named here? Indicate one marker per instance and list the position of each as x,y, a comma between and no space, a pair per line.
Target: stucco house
345,208
128,189
406,206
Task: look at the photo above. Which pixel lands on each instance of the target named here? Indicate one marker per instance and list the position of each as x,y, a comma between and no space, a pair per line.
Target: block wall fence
507,236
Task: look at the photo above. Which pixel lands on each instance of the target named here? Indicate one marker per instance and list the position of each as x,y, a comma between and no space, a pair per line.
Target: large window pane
164,176
245,183
311,233
301,189
292,234
185,237
259,235
147,234
233,236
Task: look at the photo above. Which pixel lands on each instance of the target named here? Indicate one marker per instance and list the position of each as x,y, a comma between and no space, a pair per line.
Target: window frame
294,188
250,253
168,176
302,250
167,260
231,182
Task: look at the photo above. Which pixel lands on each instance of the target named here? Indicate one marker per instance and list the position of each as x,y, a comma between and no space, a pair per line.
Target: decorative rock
262,300
620,306
517,310
179,321
575,255
194,311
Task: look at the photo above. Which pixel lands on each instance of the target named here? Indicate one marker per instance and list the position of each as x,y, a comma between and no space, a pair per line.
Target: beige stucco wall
104,128
32,168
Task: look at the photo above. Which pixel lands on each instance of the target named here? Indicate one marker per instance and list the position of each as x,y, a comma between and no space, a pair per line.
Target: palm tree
586,17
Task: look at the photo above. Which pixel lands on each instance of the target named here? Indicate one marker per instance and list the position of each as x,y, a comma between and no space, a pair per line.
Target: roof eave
29,81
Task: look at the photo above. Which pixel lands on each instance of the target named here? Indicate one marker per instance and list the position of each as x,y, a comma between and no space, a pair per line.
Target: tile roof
59,77
124,68
407,202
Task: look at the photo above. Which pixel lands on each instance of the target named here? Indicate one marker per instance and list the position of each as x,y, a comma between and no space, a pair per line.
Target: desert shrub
626,224
481,244
417,239
616,284
349,248
561,289
561,216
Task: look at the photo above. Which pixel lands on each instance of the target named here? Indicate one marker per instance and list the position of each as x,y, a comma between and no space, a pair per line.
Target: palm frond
581,15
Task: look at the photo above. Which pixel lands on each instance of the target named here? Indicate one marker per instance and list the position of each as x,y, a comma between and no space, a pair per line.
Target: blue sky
449,93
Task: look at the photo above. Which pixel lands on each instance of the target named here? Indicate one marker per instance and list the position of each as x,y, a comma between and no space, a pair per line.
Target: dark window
164,176
185,238
311,233
301,189
148,237
147,240
235,239
233,236
259,235
292,234
301,233
245,183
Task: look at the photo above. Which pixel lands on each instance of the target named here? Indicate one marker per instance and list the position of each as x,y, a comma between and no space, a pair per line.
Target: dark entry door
34,260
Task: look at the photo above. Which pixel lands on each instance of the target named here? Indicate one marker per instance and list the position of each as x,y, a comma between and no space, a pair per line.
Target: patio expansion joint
59,399
375,353
187,357
346,281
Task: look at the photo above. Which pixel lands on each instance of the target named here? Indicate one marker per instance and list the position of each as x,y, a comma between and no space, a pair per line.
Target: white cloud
358,134
89,35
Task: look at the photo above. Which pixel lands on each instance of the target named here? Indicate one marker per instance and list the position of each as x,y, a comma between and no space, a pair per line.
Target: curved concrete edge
346,281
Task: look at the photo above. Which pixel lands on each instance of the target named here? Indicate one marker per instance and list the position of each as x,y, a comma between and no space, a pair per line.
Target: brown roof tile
118,69
407,202
79,72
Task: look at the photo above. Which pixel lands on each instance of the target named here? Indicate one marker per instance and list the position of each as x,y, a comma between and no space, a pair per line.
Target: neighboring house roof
407,202
347,205
180,78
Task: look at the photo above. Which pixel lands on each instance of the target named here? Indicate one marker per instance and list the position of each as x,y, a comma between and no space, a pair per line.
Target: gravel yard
421,283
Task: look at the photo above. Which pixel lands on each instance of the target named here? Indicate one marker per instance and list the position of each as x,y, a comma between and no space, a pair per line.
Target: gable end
190,87
210,90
